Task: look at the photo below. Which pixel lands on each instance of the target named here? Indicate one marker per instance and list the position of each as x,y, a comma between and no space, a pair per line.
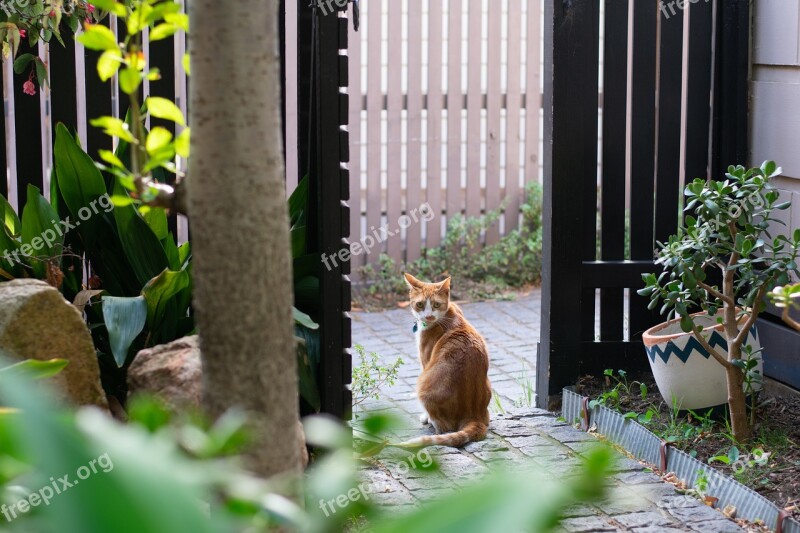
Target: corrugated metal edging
646,446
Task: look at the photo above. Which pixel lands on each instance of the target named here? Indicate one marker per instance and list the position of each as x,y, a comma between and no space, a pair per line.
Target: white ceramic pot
684,370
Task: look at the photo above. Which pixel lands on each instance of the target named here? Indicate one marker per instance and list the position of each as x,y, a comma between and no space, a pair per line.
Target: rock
37,323
173,372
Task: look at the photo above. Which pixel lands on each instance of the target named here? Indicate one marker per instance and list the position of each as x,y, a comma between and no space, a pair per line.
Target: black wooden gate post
324,159
570,170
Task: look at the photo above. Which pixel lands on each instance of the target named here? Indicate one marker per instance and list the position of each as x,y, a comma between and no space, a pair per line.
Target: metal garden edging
644,445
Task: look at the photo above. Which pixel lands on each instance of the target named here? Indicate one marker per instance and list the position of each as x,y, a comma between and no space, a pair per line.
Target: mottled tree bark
240,236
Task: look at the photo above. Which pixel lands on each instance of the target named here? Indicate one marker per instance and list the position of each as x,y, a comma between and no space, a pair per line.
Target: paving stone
528,441
637,478
687,509
587,524
645,519
660,529
488,444
431,481
625,464
551,452
655,492
567,434
432,495
574,511
492,456
511,428
717,526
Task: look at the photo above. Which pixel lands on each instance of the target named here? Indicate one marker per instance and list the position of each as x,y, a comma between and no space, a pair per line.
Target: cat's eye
436,305
420,305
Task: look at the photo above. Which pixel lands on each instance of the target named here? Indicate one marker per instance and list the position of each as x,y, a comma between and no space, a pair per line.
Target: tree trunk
737,404
240,236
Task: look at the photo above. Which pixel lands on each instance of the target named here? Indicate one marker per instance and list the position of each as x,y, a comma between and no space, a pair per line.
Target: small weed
370,375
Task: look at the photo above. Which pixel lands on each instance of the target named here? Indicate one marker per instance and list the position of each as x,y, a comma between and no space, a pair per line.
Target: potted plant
725,233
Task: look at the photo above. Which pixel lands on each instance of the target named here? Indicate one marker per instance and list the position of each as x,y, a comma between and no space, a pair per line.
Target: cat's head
429,301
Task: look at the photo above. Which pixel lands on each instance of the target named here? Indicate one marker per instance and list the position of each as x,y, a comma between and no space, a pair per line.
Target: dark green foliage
478,271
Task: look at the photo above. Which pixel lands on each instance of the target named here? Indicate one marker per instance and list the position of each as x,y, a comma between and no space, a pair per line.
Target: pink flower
90,8
29,88
87,21
22,33
52,13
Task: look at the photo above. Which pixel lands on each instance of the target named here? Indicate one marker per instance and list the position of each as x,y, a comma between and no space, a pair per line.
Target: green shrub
479,271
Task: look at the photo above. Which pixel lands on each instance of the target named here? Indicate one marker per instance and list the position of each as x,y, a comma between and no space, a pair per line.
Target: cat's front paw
423,419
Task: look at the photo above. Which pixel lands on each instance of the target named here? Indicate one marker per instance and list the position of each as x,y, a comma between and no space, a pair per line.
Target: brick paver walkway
518,434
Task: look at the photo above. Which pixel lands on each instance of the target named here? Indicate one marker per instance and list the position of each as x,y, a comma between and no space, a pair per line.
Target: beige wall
775,95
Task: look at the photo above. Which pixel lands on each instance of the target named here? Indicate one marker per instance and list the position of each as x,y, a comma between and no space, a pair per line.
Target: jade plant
724,259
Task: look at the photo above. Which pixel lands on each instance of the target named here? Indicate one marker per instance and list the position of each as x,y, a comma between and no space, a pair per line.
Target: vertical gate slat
394,104
571,77
532,92
290,50
615,96
98,102
512,193
455,105
28,132
356,106
643,139
414,128
669,125
493,102
433,165
374,109
9,131
474,108
698,112
4,178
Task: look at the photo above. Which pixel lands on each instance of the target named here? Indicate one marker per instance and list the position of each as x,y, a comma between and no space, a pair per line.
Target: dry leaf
403,305
729,511
710,501
83,297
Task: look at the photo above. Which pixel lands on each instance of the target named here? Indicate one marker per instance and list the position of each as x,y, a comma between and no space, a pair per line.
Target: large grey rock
172,372
37,323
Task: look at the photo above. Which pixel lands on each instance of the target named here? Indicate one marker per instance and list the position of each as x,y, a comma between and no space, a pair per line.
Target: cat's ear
412,282
444,286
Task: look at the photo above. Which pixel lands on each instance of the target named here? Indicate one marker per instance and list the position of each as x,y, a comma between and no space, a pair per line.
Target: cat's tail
471,431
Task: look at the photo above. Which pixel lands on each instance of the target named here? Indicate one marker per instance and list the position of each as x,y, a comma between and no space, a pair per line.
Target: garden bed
769,464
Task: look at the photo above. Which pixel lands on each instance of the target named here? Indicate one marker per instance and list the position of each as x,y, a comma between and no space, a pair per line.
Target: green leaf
9,219
182,143
108,64
302,318
686,324
129,80
125,319
157,139
163,108
186,64
162,31
41,73
142,247
111,6
41,232
98,37
159,291
156,218
34,369
22,62
109,157
114,127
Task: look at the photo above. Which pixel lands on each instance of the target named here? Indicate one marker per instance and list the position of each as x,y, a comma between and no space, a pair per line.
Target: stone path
519,434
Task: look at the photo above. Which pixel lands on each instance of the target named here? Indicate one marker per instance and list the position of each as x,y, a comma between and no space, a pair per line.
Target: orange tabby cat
453,387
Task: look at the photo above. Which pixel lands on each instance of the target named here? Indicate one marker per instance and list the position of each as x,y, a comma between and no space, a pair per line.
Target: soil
776,432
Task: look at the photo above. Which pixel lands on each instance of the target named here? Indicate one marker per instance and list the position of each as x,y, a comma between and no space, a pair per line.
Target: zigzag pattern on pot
717,340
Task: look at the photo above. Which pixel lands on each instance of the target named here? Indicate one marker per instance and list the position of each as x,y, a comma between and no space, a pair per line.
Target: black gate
667,112
323,152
